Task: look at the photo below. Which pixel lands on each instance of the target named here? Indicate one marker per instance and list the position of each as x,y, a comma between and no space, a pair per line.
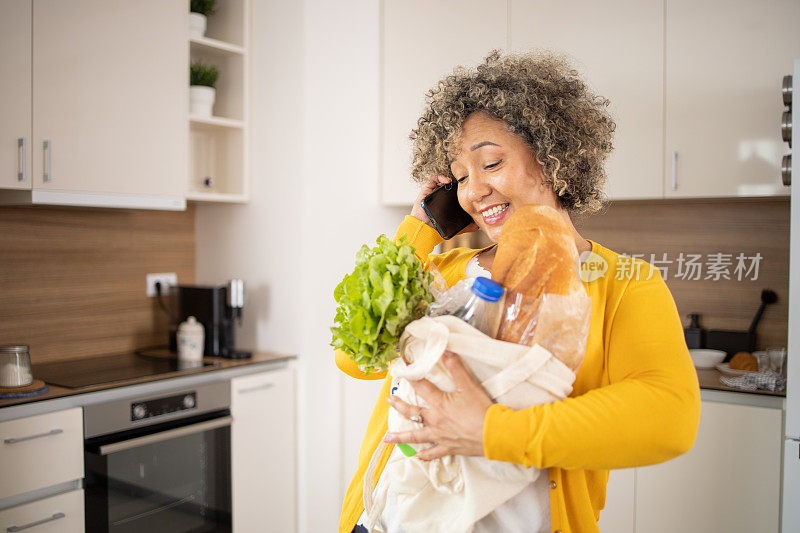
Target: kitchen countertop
709,379
61,397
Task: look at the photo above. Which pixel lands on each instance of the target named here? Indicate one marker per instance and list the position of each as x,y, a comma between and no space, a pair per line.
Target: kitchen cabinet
598,38
107,106
618,514
58,514
263,451
723,105
219,155
421,42
730,481
697,105
40,451
15,88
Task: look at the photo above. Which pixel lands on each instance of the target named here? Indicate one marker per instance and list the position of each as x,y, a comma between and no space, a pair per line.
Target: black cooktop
110,368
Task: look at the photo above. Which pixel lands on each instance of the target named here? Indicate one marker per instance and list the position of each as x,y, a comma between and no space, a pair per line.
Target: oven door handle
165,435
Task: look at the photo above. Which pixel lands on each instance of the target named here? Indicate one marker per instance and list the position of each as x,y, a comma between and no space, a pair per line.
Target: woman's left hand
454,420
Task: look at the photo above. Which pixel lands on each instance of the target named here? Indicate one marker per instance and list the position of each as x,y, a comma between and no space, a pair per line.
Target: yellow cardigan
635,401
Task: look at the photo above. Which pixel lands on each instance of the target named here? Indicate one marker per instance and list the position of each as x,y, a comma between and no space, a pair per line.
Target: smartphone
444,211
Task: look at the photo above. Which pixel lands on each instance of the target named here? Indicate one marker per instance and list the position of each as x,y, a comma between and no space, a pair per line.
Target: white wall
314,202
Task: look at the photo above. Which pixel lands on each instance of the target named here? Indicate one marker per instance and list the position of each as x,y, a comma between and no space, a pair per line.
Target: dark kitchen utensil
767,297
740,341
695,335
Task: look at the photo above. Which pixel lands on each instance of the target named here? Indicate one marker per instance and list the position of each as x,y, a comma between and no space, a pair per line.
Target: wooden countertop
219,364
709,379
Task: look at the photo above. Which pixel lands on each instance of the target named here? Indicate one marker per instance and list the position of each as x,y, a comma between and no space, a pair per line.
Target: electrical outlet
167,279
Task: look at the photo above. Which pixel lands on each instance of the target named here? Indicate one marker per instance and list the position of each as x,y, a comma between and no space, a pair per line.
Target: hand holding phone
444,212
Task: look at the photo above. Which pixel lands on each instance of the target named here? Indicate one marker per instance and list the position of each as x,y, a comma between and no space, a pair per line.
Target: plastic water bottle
484,306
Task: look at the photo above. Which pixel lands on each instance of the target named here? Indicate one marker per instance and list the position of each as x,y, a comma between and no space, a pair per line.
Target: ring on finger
417,418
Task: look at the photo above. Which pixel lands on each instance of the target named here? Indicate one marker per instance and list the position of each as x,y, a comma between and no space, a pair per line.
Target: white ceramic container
191,338
201,100
197,25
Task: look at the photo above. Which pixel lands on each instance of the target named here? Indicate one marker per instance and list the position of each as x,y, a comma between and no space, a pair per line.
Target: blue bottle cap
487,289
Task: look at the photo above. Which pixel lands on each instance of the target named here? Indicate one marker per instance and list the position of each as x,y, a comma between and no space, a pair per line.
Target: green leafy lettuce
387,290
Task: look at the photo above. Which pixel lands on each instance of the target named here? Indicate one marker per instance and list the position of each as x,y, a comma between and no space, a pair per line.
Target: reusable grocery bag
452,493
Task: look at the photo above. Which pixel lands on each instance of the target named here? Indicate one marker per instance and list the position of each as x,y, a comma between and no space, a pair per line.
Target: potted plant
199,11
202,78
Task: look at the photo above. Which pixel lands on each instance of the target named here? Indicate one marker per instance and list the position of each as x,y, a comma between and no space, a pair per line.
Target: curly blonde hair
541,99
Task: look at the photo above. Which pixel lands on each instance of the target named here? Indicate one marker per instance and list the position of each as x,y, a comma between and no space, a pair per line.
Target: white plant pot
201,100
197,25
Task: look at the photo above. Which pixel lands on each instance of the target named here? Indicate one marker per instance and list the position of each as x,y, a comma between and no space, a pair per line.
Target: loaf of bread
744,361
537,263
536,254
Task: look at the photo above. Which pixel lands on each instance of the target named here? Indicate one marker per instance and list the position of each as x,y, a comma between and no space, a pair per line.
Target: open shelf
219,122
207,46
219,143
217,197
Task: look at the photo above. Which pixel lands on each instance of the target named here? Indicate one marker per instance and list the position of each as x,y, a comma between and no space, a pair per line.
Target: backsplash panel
72,281
705,228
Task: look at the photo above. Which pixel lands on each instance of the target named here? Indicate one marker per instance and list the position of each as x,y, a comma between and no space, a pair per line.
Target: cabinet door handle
255,388
47,170
674,170
21,159
56,516
40,435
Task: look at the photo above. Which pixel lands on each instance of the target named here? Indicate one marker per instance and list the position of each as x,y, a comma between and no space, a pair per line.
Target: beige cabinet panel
40,451
263,449
110,96
58,514
618,514
617,46
422,41
724,65
15,88
729,481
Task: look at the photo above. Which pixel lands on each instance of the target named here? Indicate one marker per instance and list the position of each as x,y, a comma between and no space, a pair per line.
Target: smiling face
497,173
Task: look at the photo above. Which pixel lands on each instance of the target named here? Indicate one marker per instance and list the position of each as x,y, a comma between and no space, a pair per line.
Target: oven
159,463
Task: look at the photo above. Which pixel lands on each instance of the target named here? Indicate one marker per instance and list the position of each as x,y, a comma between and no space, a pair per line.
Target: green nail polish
407,450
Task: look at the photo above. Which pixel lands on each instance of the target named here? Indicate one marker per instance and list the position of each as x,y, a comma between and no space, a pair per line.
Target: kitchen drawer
58,514
39,451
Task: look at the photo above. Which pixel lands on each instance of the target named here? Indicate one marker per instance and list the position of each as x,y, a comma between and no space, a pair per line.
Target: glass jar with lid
15,366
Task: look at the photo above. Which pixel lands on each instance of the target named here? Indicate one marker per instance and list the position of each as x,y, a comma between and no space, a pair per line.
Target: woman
519,131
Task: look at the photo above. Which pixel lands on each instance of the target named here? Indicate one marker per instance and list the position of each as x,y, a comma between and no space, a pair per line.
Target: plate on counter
726,369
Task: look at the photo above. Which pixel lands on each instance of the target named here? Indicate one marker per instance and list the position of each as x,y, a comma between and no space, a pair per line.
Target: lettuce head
387,290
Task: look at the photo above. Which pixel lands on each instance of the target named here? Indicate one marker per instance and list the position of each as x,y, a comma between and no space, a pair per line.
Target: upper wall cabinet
597,37
422,42
724,64
106,122
15,92
694,87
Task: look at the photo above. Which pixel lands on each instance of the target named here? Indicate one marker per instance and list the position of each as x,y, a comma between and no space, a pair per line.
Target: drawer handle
40,435
56,516
21,159
46,145
256,388
675,170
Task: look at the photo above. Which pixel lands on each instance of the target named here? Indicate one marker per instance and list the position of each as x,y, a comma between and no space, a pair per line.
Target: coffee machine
218,308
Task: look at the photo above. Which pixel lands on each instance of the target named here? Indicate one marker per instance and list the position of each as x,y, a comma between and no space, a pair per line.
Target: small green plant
202,74
204,7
